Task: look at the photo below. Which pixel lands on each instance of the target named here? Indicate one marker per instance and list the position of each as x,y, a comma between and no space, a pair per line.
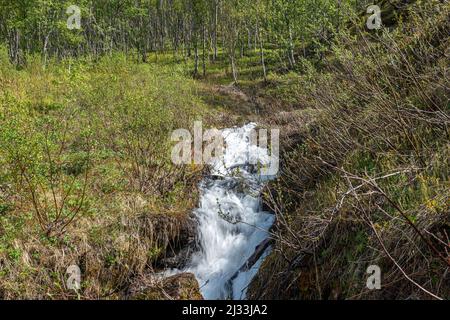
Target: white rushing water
231,223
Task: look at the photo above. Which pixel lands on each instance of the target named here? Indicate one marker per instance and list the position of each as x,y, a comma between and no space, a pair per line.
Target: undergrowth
85,173
365,169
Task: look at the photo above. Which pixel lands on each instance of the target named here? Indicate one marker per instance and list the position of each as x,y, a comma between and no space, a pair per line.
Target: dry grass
365,172
135,204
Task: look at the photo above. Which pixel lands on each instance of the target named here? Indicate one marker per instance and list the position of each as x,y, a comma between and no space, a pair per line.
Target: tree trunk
216,18
233,67
195,57
261,49
44,51
291,48
204,51
14,47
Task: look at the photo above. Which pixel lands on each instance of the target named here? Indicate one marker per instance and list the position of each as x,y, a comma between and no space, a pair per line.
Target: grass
85,168
364,173
365,169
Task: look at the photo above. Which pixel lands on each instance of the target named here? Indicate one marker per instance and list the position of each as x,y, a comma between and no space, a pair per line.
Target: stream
232,227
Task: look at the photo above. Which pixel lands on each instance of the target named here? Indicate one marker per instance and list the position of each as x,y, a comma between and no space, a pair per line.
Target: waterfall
231,223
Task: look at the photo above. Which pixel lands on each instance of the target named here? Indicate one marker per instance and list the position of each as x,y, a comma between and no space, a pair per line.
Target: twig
399,267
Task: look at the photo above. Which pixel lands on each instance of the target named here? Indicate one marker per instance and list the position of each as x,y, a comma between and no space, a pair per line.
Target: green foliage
84,145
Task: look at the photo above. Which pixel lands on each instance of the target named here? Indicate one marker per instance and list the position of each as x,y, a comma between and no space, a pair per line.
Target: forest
184,28
93,207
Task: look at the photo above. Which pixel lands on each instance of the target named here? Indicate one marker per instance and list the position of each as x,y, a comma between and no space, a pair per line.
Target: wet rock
175,236
182,286
265,205
259,251
179,251
177,259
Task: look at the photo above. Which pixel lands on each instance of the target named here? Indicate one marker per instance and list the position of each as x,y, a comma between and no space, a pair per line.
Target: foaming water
231,223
